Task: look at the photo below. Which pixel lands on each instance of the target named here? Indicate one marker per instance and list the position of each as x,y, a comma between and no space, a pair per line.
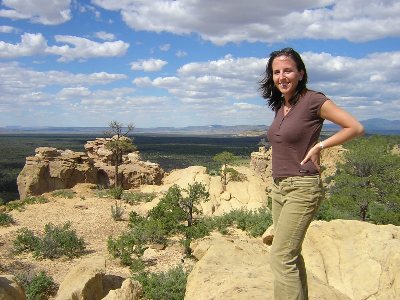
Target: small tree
225,158
119,144
196,193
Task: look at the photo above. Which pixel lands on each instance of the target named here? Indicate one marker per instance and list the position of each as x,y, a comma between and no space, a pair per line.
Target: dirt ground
91,218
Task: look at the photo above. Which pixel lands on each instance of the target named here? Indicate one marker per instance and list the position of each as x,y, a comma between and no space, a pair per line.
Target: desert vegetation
366,185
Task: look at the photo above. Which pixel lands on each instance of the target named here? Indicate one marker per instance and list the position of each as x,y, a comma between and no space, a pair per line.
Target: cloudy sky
189,62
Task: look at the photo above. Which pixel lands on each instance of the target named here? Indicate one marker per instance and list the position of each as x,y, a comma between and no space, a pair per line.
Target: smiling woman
297,187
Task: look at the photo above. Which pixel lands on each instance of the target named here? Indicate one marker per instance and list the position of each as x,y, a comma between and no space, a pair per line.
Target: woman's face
286,76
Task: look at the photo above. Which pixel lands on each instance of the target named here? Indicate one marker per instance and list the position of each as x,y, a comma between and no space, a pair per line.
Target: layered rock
248,194
52,169
344,259
260,163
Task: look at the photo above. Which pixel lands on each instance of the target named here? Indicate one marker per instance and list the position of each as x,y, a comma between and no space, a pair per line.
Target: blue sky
189,62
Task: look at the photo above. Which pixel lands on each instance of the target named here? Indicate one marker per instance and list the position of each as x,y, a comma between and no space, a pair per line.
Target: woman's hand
313,155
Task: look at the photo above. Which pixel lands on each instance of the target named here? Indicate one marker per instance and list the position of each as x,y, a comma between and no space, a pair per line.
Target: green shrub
138,197
116,192
20,204
6,219
169,212
38,287
135,219
169,285
117,211
65,193
56,242
35,200
122,247
25,241
235,175
253,222
137,265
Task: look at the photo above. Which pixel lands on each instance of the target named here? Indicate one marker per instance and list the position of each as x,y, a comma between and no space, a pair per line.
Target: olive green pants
295,200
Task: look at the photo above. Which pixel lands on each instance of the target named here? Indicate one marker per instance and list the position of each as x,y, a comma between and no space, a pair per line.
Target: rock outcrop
260,162
88,280
345,260
52,169
248,194
10,289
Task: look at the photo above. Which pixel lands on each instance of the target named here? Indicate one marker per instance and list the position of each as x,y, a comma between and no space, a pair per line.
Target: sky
189,62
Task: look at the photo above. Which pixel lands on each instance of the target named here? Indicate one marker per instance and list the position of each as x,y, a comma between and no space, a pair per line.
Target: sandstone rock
249,194
84,281
238,268
260,163
130,290
359,259
52,169
10,289
47,172
345,260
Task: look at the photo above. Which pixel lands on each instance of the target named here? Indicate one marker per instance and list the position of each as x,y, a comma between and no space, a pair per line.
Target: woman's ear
301,75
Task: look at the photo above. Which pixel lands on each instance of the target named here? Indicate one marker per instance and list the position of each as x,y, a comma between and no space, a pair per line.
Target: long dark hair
270,91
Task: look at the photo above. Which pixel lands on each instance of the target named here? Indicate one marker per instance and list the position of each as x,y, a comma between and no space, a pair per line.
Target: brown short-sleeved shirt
293,135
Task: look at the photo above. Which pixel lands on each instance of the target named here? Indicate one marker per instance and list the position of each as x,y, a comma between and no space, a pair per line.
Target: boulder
10,289
238,268
344,259
359,259
130,290
84,281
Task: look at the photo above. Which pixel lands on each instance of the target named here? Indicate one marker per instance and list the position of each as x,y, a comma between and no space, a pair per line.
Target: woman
297,188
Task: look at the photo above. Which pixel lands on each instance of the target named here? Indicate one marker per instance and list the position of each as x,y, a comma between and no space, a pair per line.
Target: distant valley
372,126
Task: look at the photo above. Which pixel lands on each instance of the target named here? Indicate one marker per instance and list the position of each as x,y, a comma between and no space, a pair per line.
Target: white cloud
17,80
150,65
105,36
38,11
232,83
36,44
263,20
246,106
165,47
84,48
142,81
69,92
8,29
31,44
181,53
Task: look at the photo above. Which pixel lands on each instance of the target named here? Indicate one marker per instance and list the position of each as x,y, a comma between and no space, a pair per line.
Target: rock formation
344,259
88,280
10,289
260,162
52,169
248,194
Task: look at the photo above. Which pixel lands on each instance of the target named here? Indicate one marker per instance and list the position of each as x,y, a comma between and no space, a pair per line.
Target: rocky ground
91,217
